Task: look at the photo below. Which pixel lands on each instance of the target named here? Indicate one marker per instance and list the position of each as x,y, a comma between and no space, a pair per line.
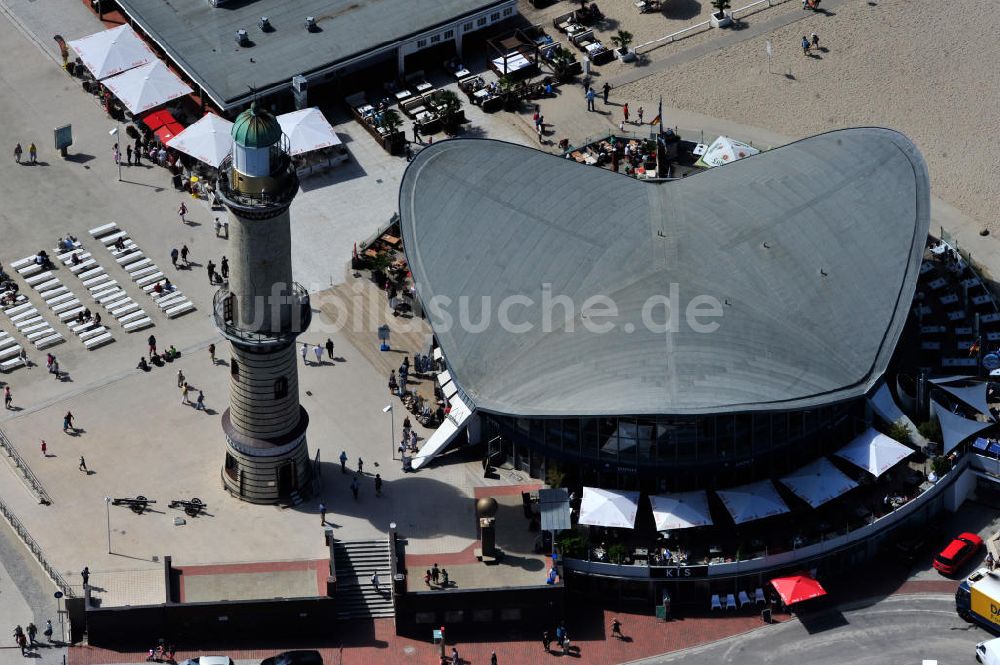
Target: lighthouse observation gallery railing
296,298
284,173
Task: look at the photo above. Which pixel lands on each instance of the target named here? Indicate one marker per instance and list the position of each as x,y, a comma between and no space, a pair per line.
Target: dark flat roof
812,250
201,39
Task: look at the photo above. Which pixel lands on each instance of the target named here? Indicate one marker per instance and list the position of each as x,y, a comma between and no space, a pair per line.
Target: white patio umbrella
725,150
608,508
147,87
209,140
680,511
113,51
752,502
874,452
307,130
818,482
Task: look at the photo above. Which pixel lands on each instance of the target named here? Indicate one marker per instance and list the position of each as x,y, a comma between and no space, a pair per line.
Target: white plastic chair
759,596
730,601
744,599
716,605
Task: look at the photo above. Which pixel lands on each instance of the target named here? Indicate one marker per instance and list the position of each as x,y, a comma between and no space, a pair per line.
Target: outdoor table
970,282
926,267
957,315
641,551
980,300
938,283
962,330
930,346
461,73
949,299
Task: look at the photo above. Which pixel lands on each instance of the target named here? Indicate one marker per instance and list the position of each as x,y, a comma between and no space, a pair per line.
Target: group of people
562,639
158,359
52,365
32,153
809,44
26,637
86,316
222,275
437,577
162,653
317,351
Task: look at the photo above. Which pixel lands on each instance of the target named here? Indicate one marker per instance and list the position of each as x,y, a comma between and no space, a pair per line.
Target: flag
974,348
656,120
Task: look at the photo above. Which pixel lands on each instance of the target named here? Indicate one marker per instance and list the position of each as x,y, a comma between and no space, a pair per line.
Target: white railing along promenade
746,10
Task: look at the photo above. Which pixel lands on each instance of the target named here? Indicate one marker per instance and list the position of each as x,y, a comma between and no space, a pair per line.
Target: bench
110,240
136,265
104,288
957,315
69,304
39,334
10,353
39,278
70,313
51,295
149,281
118,303
66,255
17,265
138,324
51,340
8,365
183,308
145,272
26,315
94,342
30,321
128,258
90,330
80,267
7,340
17,309
171,302
138,314
81,328
103,230
90,274
124,309
113,298
95,280
34,327
49,285
30,270
127,247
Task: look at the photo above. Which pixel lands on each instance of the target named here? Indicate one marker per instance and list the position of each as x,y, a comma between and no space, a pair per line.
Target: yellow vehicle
978,599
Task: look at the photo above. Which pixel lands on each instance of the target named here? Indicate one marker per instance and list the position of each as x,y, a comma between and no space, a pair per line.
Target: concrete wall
461,611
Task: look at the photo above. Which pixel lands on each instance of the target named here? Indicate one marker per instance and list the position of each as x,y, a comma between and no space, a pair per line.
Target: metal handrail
297,296
29,477
36,550
283,195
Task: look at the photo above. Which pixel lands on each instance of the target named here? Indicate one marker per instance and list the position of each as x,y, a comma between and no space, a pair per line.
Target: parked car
957,553
294,658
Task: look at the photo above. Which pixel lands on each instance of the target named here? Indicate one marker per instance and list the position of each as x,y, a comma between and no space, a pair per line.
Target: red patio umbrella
796,588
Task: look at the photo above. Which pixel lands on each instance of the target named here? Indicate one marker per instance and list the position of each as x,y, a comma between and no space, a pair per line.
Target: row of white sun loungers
10,353
31,324
63,303
105,290
142,270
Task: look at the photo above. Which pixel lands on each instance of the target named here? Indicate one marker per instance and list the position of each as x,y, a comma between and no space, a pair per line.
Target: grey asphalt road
899,630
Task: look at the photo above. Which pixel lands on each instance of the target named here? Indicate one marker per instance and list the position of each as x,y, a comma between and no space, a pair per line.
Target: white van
988,652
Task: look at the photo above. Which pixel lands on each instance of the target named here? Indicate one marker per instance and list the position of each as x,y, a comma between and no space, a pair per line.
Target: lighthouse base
267,471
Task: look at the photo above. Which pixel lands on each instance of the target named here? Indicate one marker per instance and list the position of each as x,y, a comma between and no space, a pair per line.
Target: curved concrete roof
811,249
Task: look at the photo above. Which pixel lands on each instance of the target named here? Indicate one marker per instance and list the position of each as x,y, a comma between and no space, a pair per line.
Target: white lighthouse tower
261,311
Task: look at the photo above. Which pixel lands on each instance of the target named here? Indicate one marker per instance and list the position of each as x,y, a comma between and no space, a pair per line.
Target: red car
957,554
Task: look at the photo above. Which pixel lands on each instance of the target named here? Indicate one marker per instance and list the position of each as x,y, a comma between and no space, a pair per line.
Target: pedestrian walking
138,152
48,630
181,211
606,90
224,268
378,485
116,153
541,134
85,574
625,111
616,628
343,461
32,630
211,272
32,154
639,114
68,422
621,126
211,352
444,578
805,45
560,634
185,389
318,352
152,345
128,153
375,581
354,488
83,465
435,573
565,645
455,659
815,40
22,641
590,99
361,465
305,353
329,348
322,514
180,378
200,404
17,153
45,449
173,256
427,579
218,227
184,255
416,133
493,658
7,397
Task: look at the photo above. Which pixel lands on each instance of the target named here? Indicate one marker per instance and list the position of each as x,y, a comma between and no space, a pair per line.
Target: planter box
624,56
721,19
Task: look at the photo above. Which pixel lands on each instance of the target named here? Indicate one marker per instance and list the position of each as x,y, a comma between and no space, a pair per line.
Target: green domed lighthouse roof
256,128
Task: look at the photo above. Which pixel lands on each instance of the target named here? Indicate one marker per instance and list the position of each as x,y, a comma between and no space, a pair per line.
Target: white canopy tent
147,87
955,428
725,150
683,510
874,452
112,51
209,140
608,508
754,501
307,130
818,482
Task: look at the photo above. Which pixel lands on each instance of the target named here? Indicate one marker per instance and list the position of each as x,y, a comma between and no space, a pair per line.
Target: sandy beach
926,69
